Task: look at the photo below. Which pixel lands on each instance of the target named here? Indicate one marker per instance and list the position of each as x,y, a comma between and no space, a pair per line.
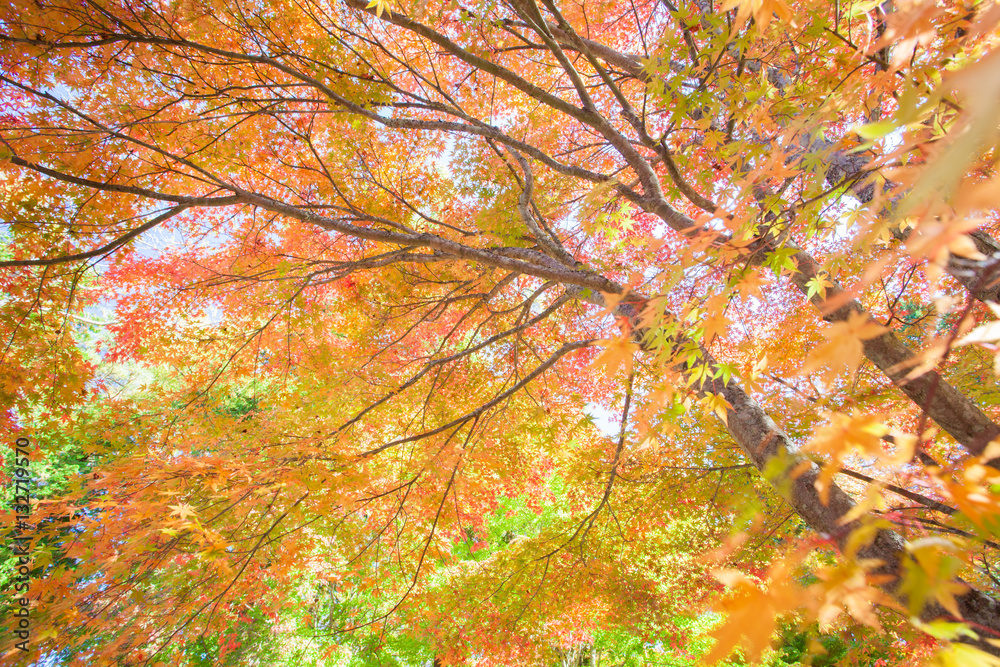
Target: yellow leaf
715,325
985,333
214,550
860,537
936,240
380,6
719,405
846,587
974,495
617,353
182,511
752,611
963,655
930,573
858,433
750,284
844,346
762,11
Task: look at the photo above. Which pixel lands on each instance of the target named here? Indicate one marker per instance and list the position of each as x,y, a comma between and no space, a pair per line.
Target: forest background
506,333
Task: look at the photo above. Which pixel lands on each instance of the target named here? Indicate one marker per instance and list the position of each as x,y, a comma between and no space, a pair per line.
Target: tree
425,239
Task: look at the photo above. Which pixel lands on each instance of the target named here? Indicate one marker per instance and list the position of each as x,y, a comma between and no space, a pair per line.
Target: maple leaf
48,633
846,588
717,404
818,285
752,612
750,284
857,433
380,6
937,240
963,655
984,333
975,491
183,511
930,572
844,346
618,353
761,10
214,550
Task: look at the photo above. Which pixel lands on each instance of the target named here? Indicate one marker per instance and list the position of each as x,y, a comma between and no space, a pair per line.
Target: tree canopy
505,332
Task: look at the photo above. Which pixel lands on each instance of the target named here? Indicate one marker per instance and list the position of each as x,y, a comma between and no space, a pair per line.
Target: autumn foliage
508,333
